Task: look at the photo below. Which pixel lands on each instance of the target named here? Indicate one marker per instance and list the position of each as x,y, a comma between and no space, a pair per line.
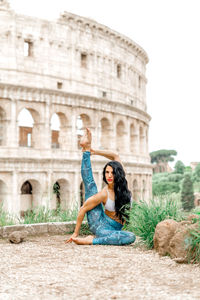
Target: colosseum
65,75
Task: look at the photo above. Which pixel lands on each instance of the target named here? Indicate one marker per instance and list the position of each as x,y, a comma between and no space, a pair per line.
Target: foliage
162,156
145,216
193,245
5,218
196,173
188,169
187,193
166,183
179,167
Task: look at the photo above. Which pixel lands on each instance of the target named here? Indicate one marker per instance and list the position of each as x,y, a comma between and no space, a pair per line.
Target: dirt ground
45,268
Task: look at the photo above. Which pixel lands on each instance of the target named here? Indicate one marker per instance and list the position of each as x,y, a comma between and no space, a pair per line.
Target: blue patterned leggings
106,230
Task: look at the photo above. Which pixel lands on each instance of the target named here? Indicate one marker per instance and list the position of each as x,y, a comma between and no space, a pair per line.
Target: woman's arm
88,205
107,153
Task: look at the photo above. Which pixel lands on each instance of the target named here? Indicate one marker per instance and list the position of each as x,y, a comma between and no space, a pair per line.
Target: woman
106,226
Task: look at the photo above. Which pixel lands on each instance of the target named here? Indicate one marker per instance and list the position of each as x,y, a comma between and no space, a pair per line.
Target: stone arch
3,195
30,195
2,126
63,200
120,136
82,121
105,138
135,190
29,130
59,130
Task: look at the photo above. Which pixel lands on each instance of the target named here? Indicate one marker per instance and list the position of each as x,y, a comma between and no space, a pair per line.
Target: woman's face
109,175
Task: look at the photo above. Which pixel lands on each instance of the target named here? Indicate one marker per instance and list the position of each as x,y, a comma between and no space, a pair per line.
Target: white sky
169,31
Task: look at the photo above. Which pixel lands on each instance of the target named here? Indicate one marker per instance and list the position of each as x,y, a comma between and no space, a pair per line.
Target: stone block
61,227
9,229
36,229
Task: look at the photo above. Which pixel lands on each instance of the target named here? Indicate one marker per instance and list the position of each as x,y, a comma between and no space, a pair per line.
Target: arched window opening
25,122
56,191
119,71
55,131
26,198
61,194
26,188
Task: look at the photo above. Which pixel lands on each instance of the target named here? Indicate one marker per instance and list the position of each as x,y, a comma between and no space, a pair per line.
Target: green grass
5,218
45,215
144,216
193,245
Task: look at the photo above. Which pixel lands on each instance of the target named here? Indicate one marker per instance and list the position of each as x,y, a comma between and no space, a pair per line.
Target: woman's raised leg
94,215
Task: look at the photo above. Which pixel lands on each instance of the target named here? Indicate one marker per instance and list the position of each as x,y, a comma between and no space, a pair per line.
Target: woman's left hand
74,235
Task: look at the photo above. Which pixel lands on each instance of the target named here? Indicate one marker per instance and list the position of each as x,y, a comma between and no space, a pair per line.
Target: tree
196,174
187,193
179,167
161,159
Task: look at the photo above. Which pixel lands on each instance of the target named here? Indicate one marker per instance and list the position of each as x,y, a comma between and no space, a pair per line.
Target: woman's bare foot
86,140
83,241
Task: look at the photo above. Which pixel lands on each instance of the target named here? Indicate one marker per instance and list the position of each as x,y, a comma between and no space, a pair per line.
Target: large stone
178,246
17,237
163,233
170,238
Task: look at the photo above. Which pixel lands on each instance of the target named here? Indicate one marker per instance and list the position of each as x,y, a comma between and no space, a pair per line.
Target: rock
177,246
170,238
17,237
163,233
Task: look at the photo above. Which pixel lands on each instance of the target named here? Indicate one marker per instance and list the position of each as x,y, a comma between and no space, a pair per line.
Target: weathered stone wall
79,70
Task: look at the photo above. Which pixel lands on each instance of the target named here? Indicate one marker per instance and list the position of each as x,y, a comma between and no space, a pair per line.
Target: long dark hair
122,193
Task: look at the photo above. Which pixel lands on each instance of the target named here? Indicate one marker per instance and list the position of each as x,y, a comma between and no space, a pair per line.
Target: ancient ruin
80,73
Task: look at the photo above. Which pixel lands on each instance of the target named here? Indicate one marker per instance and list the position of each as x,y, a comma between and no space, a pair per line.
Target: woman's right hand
74,235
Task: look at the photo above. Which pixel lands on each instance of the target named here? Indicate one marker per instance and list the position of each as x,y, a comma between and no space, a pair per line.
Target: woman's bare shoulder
104,193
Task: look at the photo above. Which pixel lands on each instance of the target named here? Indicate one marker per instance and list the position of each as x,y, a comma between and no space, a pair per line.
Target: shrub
187,193
145,216
163,188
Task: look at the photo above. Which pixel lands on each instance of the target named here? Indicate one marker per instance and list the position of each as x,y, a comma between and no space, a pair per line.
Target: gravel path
45,268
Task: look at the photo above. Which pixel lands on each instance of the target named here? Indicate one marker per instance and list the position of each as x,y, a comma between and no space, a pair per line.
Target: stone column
15,205
41,136
74,141
76,190
12,133
127,137
136,140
